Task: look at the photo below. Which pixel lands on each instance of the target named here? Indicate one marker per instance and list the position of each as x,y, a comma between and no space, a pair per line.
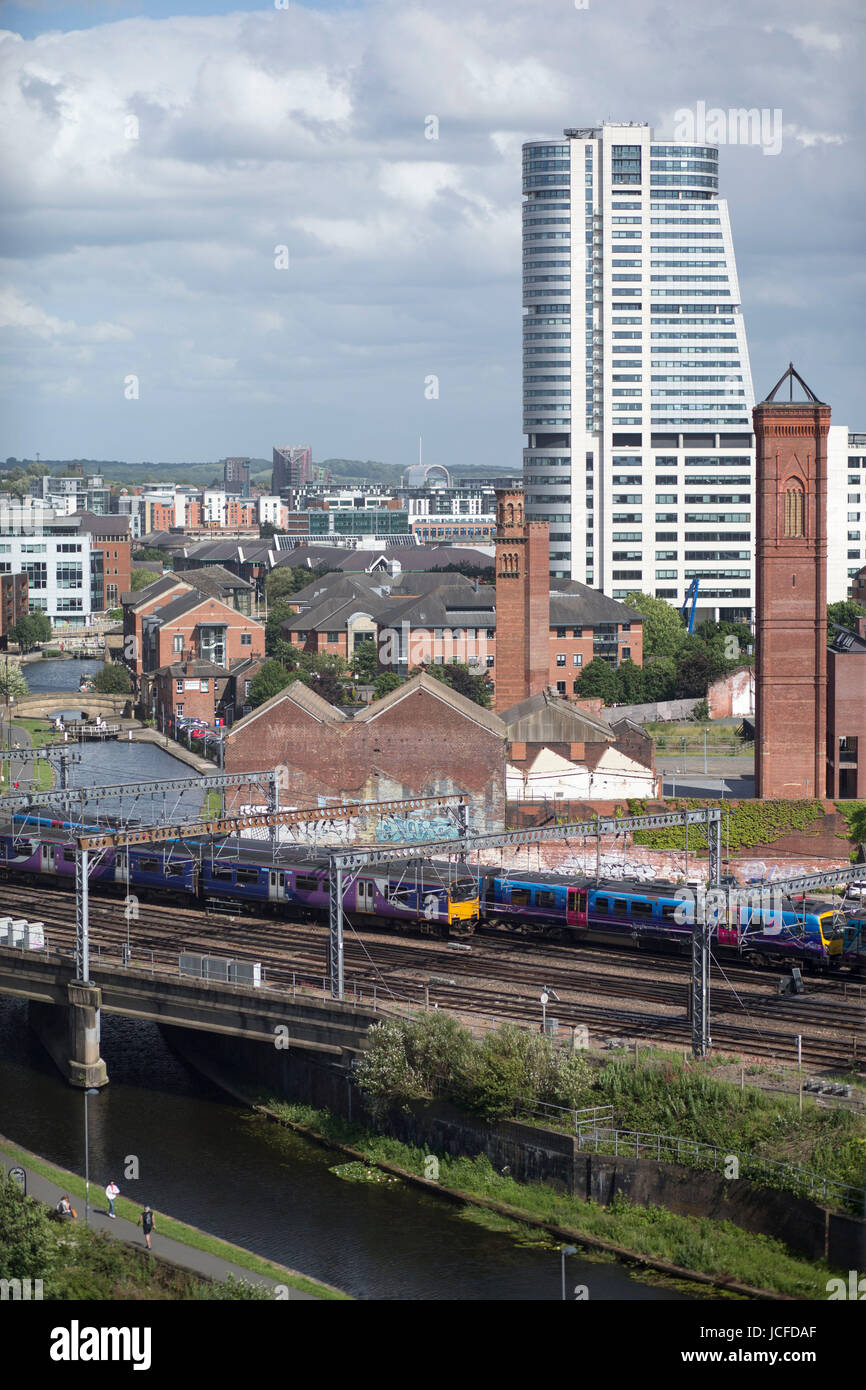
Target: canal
207,1160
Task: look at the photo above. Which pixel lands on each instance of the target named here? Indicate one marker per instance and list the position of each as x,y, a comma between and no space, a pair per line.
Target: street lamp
91,1091
566,1250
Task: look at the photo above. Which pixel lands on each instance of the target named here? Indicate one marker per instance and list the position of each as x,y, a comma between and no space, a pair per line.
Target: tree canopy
845,613
113,679
13,685
663,628
31,629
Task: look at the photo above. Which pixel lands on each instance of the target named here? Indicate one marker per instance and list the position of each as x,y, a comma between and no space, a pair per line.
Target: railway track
466,983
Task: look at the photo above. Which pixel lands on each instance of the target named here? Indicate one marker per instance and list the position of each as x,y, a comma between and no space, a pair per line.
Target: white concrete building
846,509
637,387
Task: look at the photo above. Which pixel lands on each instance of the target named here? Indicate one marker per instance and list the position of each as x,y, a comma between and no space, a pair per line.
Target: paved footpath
199,1261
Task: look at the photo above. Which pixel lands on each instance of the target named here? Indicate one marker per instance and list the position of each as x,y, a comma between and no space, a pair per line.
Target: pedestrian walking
147,1224
111,1192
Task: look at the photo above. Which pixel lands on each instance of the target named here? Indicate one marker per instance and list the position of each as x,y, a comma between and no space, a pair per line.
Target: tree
139,579
113,679
277,615
384,684
457,675
31,629
631,683
598,678
288,579
13,686
660,679
269,681
663,630
149,552
697,670
365,662
28,1242
845,613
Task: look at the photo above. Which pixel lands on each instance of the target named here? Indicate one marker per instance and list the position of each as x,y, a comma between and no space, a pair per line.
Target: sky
224,227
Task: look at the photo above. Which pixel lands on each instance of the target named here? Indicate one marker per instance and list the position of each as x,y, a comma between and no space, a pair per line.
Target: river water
210,1161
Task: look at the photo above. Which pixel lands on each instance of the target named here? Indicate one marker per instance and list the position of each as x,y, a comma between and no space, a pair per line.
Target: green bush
434,1056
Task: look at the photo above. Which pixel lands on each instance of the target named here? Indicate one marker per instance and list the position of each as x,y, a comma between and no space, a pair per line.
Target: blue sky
156,155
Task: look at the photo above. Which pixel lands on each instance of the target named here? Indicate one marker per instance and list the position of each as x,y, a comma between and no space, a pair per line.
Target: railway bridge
65,1012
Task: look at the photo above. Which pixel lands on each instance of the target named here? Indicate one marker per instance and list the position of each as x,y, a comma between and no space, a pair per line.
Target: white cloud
306,128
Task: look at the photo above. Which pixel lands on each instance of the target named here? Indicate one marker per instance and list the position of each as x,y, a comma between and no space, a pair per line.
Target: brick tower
522,602
791,593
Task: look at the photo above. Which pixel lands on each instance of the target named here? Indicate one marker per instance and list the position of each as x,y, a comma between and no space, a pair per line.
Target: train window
602,904
521,897
222,871
175,870
620,907
544,897
147,865
247,876
670,910
305,884
639,909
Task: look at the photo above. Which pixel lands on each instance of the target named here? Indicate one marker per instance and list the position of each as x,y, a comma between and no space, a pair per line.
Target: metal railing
769,1172
575,1120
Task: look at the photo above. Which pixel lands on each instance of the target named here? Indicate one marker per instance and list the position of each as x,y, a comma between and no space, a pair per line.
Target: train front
463,904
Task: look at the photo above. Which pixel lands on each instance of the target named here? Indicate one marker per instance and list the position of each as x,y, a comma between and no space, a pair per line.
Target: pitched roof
847,641
544,718
573,602
424,682
215,579
163,585
299,694
331,613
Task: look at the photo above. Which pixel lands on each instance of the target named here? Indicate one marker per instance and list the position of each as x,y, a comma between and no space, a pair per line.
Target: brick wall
418,746
791,599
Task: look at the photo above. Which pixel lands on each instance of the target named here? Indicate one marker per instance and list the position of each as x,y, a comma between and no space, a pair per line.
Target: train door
49,859
576,911
364,895
275,886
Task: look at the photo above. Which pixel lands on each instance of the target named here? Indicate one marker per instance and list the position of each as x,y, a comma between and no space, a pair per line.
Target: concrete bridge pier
71,1034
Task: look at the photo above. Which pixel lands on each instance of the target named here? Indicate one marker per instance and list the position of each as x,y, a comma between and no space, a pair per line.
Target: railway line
499,977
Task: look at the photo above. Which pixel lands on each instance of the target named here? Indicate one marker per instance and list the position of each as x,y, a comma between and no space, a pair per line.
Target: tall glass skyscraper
637,391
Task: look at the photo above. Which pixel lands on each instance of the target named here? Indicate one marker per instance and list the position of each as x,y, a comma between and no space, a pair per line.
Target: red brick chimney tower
791,593
522,602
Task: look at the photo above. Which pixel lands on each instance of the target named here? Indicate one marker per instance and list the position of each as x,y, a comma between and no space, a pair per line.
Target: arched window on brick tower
794,510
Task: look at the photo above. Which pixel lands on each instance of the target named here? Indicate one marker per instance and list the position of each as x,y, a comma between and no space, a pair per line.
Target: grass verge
723,1252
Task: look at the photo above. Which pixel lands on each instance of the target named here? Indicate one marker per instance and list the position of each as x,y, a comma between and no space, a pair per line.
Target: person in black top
147,1224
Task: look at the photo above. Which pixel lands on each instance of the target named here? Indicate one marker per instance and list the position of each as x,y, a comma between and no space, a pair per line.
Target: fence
769,1172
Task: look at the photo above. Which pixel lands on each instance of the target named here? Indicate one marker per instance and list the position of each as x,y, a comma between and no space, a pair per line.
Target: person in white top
111,1192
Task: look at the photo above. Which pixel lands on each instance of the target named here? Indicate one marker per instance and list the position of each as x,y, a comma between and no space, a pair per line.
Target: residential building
14,602
846,509
430,618
293,467
109,536
195,626
236,476
637,385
